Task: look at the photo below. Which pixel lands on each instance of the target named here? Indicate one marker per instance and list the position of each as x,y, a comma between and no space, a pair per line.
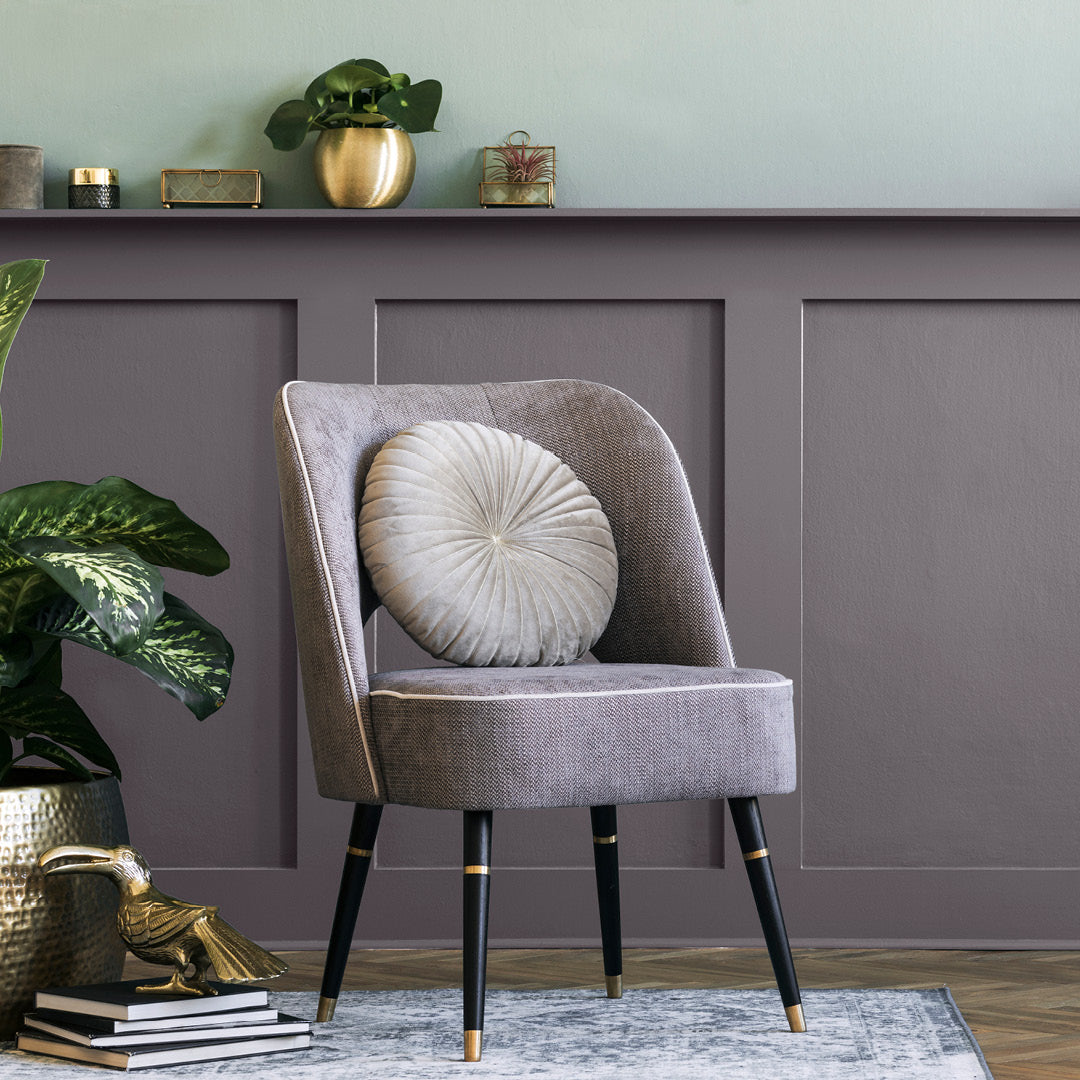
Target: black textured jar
93,189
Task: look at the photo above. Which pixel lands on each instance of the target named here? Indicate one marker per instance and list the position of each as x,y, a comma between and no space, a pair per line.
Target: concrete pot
22,177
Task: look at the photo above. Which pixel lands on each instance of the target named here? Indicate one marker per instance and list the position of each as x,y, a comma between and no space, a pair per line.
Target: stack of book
113,1025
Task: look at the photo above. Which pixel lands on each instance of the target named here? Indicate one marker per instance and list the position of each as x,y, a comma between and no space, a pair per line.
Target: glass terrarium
517,173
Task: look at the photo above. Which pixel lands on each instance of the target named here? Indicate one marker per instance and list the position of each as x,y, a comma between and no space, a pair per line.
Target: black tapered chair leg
606,857
476,887
755,852
365,827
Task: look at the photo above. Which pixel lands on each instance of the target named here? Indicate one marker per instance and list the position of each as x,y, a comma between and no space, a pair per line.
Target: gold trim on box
211,187
106,177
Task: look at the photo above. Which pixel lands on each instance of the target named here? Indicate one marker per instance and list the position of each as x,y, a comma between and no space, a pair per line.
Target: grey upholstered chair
664,715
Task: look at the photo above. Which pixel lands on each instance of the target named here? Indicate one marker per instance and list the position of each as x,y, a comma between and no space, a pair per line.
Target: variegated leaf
187,657
121,592
22,593
42,709
19,282
113,510
42,748
184,654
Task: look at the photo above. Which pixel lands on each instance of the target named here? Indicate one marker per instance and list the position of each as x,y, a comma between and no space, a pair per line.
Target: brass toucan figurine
163,930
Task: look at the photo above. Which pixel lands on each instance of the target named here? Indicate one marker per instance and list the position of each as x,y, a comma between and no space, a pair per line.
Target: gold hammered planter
364,168
56,931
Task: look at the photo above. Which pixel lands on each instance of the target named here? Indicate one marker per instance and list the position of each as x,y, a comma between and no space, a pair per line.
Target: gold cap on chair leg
796,1020
473,1040
326,1010
614,985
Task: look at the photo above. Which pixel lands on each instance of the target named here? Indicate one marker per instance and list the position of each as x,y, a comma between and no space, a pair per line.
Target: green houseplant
364,114
79,562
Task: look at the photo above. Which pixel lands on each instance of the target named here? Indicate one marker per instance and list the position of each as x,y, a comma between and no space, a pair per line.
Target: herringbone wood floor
1024,1007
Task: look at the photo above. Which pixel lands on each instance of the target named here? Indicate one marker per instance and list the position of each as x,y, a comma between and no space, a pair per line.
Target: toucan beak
76,859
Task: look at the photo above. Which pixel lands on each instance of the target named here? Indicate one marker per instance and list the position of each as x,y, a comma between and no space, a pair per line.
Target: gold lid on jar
94,176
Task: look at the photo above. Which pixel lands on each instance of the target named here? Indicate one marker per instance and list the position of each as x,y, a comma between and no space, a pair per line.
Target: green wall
687,103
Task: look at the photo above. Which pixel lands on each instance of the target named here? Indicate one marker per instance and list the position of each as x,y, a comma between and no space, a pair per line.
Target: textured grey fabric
581,735
667,610
485,547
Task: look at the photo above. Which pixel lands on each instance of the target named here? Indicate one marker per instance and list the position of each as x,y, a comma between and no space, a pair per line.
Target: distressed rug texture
582,1035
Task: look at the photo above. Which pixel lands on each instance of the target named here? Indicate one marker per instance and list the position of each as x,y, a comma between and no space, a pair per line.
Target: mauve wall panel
172,395
941,584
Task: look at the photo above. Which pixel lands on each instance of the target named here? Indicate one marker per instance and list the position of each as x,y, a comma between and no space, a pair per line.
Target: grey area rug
582,1035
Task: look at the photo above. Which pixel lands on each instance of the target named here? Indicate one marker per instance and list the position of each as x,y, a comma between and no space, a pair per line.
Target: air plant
521,163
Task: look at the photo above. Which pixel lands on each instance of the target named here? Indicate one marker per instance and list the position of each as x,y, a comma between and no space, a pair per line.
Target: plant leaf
113,510
16,659
42,709
121,592
34,747
288,126
349,78
19,283
415,107
365,119
23,590
399,81
186,655
316,95
374,65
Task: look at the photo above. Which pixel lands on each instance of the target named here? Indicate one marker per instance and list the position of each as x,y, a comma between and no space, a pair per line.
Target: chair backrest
667,609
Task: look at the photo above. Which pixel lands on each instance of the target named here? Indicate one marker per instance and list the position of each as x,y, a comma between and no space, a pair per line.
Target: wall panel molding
761,281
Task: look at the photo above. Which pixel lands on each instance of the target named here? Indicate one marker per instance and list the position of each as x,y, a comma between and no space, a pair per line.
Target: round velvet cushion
486,547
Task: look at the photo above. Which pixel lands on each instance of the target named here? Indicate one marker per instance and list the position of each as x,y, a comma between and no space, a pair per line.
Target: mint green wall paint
686,103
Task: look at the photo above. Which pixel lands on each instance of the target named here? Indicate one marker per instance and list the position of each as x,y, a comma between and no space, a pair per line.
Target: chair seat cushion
581,735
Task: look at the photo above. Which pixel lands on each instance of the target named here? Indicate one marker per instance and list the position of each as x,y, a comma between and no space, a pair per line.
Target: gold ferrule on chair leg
614,985
795,1018
473,1041
326,1010
761,853
477,869
605,839
364,852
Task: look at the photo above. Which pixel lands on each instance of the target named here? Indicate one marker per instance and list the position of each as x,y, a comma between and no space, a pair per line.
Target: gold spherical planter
364,168
56,931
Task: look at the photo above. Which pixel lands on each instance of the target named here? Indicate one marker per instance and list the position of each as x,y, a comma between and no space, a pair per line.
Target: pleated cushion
485,547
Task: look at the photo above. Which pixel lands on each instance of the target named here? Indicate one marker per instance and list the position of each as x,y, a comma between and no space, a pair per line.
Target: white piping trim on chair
342,645
581,693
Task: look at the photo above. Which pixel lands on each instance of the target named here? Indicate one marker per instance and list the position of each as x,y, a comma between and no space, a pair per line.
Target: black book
119,1001
208,1031
105,1025
149,1057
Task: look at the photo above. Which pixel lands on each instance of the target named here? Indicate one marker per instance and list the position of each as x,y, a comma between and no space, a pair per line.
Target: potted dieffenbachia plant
79,563
364,114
